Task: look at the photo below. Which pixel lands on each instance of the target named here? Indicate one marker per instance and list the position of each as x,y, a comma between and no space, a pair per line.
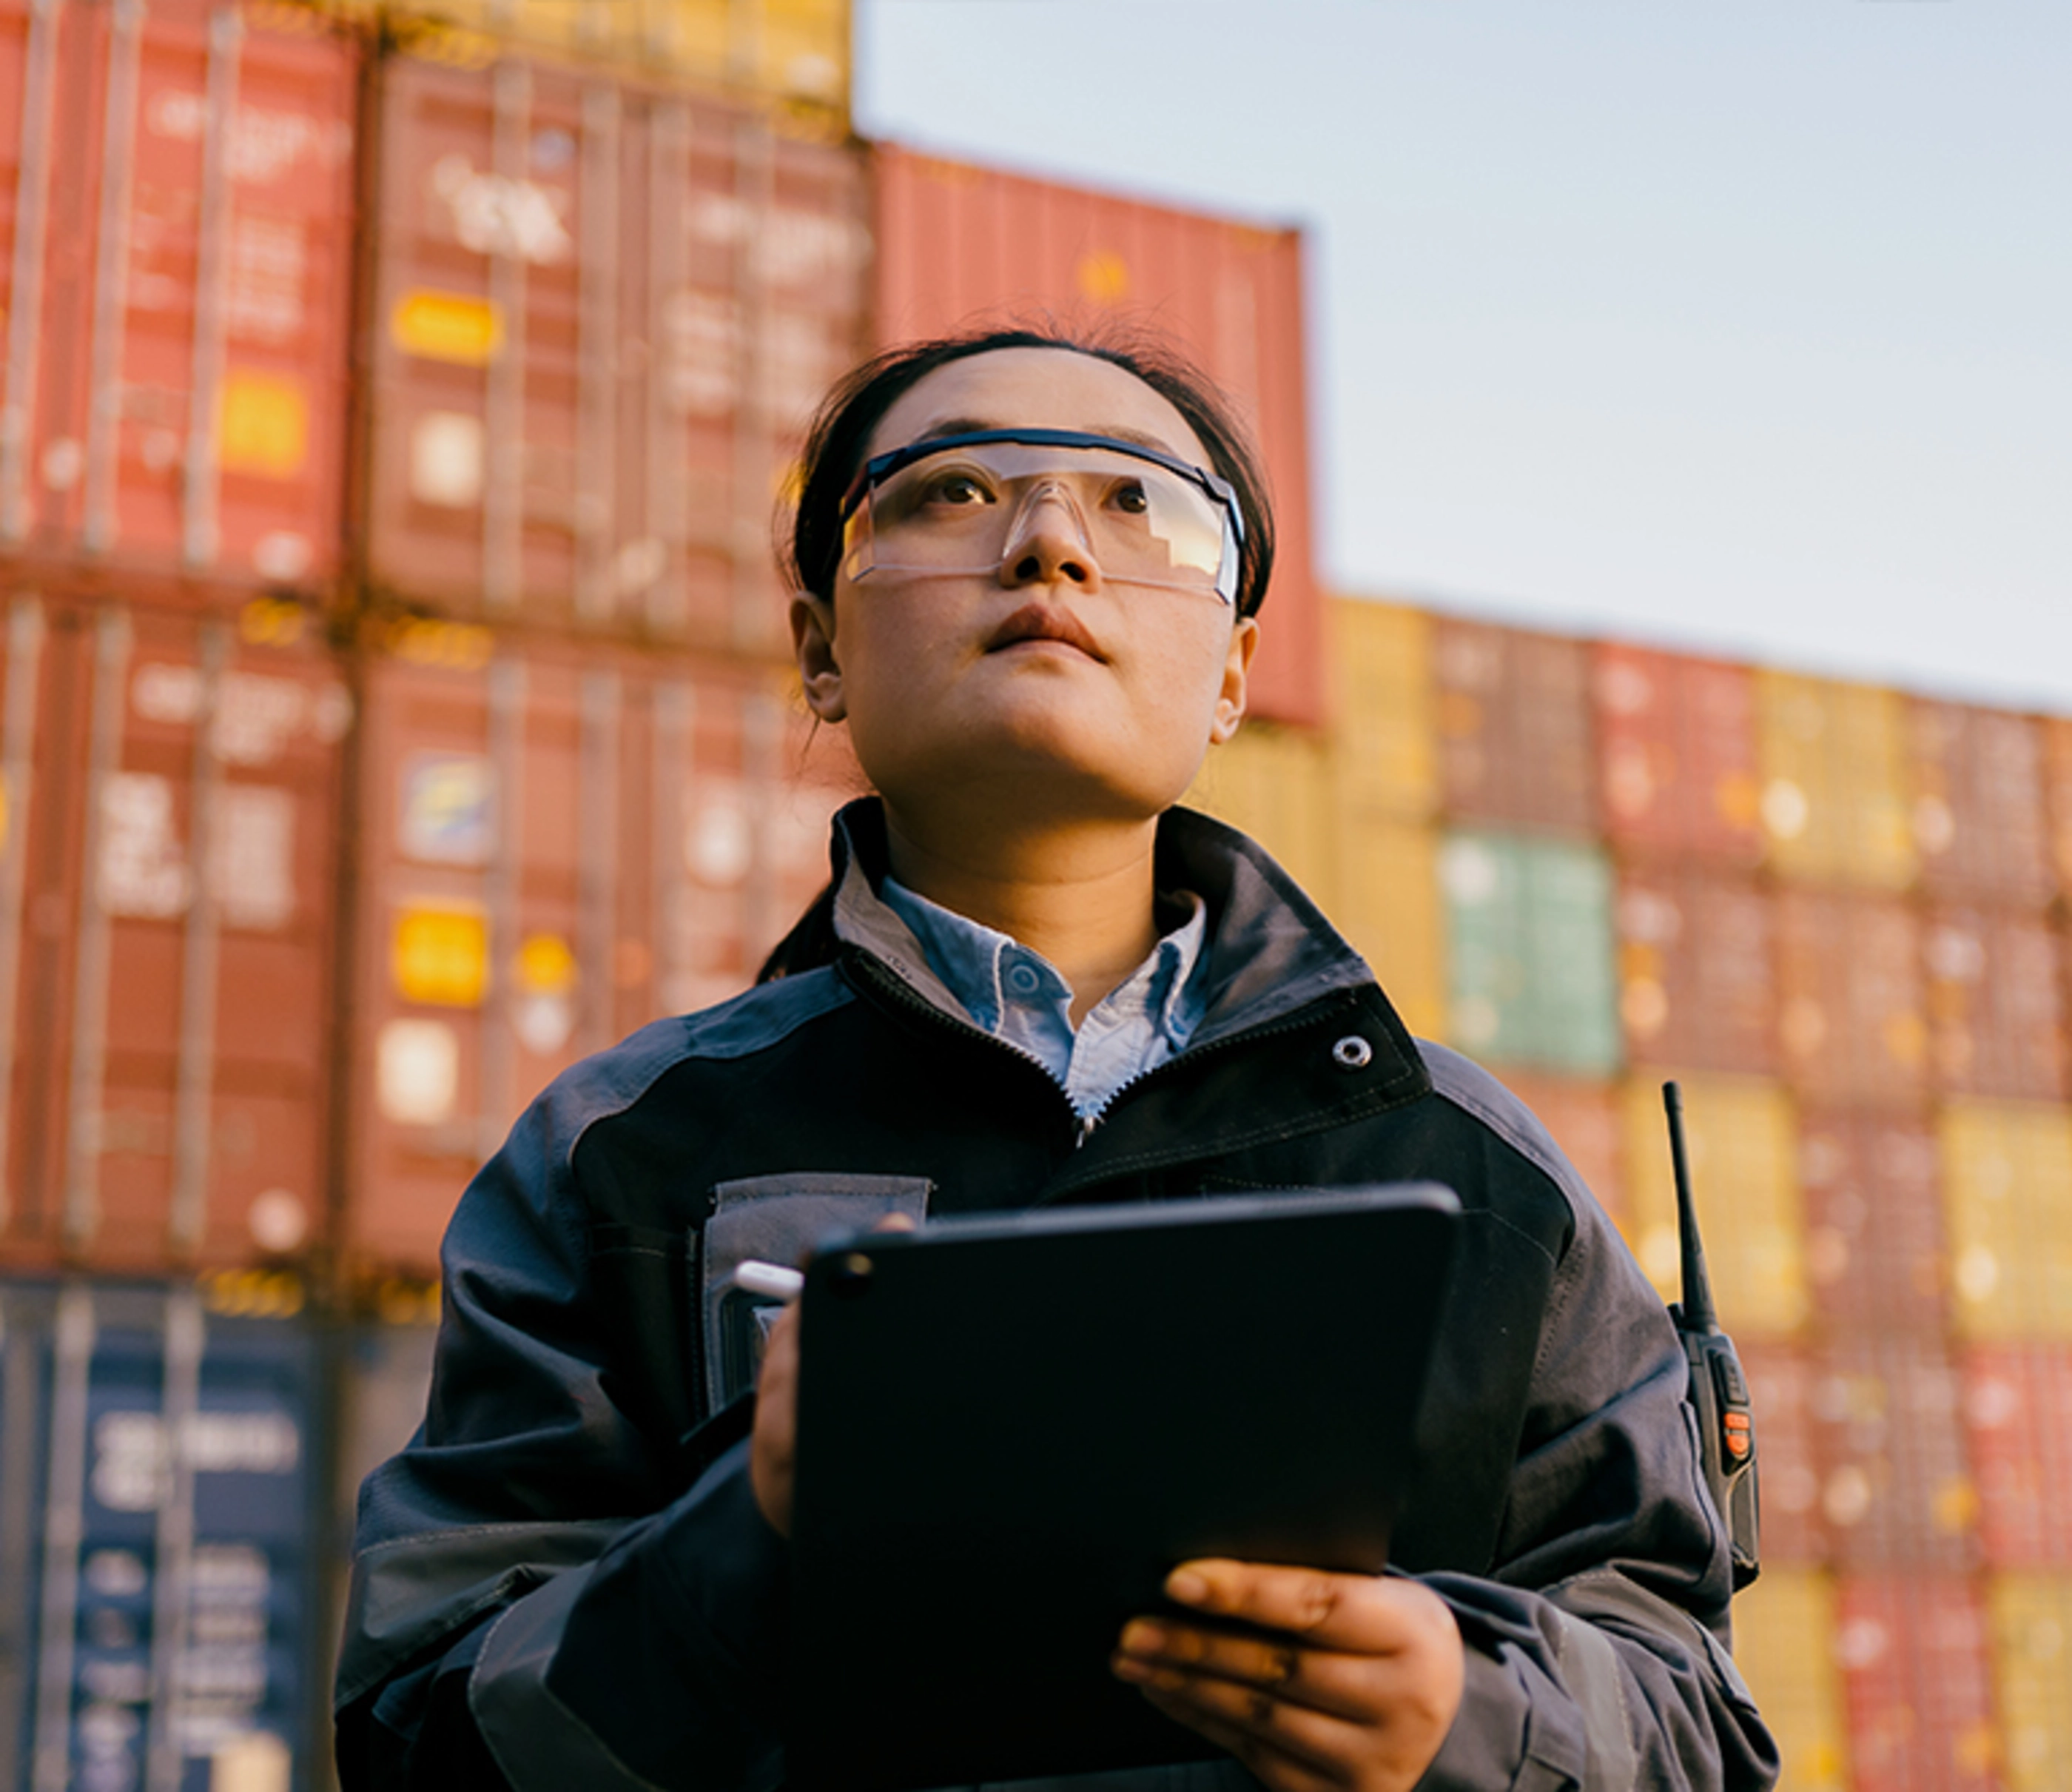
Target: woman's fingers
1274,1758
1339,1684
1359,1613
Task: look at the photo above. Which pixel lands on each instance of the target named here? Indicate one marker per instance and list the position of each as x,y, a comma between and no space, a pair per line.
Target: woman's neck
1081,894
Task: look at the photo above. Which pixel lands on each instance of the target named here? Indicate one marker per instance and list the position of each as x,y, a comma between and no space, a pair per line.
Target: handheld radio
1719,1390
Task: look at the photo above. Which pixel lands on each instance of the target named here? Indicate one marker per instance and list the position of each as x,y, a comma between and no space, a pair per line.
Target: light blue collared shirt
1018,997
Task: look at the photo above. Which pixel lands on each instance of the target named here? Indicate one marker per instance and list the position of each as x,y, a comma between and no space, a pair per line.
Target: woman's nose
1048,545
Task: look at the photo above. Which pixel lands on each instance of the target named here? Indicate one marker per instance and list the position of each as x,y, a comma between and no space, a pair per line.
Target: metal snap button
1023,980
1352,1052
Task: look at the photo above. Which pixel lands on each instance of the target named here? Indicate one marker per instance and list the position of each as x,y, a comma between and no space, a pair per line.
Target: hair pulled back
839,441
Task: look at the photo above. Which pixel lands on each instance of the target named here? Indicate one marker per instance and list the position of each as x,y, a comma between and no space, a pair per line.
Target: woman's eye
958,489
1132,499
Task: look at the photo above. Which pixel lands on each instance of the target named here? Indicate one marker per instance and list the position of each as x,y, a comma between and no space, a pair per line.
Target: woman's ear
1237,671
813,645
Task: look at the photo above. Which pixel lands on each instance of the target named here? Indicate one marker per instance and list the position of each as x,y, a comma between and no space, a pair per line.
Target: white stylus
772,1281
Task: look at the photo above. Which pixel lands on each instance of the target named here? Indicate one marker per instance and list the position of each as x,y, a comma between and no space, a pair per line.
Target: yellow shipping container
1745,1171
1784,1645
1835,775
1384,743
792,50
2006,1191
1388,906
1275,784
2031,1619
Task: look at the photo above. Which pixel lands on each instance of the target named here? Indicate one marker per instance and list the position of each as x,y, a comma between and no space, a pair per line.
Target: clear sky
1743,325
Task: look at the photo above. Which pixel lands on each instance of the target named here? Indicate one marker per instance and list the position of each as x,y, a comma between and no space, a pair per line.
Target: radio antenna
1699,1315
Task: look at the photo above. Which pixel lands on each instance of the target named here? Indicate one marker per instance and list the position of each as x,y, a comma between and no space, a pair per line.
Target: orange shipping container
1852,1014
2058,795
1917,1672
167,904
1835,794
603,318
1997,1005
1676,754
173,397
1697,976
1978,806
559,845
1874,1250
1514,742
958,245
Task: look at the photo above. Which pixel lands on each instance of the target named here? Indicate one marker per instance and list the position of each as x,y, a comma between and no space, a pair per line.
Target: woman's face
1040,688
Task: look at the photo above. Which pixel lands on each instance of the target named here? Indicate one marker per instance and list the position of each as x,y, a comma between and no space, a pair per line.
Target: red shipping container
166,901
1514,739
2058,796
1995,1004
1585,1120
959,245
2018,1414
1875,1254
1780,1378
1697,974
1978,819
560,844
173,399
1895,1487
1917,1672
1853,1024
1676,754
603,316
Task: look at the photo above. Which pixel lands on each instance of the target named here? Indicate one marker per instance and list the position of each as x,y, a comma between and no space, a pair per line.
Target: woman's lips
1038,622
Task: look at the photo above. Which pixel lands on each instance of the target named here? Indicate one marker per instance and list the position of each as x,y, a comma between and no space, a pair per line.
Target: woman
1028,575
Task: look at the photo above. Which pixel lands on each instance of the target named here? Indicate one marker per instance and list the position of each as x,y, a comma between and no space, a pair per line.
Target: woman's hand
774,1448
1356,1689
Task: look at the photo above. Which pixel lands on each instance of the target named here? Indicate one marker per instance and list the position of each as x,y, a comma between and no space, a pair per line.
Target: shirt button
1352,1052
1023,980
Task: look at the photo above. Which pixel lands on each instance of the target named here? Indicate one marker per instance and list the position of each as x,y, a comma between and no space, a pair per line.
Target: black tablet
1011,1428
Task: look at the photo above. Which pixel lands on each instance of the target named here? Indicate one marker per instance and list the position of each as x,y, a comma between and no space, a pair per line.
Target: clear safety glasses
961,504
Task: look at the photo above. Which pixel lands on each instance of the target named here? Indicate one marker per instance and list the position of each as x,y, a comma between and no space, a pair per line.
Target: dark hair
840,435
840,438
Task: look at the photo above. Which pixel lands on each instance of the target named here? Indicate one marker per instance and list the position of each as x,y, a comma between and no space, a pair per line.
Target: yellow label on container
546,967
1103,277
440,955
449,327
1745,1171
263,426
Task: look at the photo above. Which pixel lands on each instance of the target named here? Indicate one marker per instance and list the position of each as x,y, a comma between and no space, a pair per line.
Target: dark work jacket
564,1580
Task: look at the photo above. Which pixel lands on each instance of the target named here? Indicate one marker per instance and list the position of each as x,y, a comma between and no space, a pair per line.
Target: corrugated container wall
1697,970
161,1629
1745,1171
1385,878
1274,784
1514,727
1918,1679
1784,1645
1383,721
2058,796
2007,1189
1875,1257
956,244
2031,1620
2018,1412
1995,1004
1676,755
179,185
794,53
1530,972
602,317
1781,1379
1852,1012
1835,781
167,891
1978,819
560,846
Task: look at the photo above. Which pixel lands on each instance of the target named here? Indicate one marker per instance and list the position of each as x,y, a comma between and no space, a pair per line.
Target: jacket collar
1270,951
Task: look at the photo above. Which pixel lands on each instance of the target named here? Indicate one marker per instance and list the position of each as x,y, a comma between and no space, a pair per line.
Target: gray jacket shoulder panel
1467,1086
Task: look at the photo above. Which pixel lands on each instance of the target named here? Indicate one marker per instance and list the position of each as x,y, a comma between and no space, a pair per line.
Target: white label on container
131,1471
256,716
543,1022
448,813
269,267
701,350
142,870
494,216
252,869
417,1072
447,459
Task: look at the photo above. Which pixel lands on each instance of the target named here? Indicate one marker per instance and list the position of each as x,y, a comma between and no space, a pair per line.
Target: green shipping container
1530,972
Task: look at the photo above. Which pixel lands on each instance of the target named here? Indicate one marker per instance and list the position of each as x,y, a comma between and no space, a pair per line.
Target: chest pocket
778,1219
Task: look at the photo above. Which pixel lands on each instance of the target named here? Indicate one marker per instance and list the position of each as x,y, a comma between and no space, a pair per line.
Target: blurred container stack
1838,916
396,403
